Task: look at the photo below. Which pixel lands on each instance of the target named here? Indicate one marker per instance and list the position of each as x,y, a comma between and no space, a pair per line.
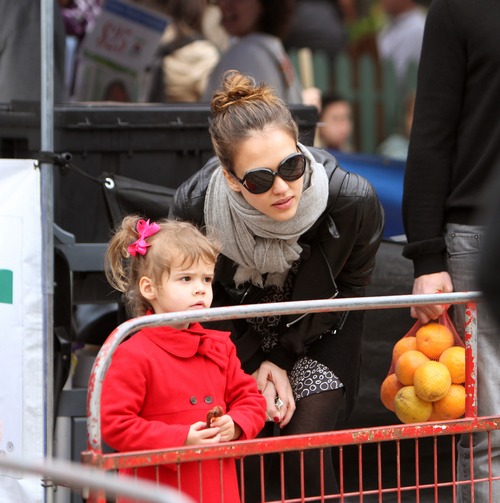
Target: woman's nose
279,185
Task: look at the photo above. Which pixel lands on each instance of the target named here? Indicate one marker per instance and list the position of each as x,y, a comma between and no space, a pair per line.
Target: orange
433,338
433,416
388,389
432,380
454,359
406,365
403,345
452,405
410,408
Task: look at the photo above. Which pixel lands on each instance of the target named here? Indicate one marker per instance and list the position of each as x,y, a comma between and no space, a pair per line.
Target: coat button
208,399
193,400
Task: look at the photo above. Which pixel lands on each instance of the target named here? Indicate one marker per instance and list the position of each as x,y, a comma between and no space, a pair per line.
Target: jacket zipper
245,295
288,325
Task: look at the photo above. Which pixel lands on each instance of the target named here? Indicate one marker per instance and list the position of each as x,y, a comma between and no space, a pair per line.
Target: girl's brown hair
240,108
175,241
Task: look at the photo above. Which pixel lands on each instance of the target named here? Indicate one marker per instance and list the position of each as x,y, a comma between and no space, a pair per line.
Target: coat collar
186,343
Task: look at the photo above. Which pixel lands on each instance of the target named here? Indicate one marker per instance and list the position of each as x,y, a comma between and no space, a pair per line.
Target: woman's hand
272,382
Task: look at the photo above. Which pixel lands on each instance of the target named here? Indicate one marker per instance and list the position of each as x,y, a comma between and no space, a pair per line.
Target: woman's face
240,17
266,150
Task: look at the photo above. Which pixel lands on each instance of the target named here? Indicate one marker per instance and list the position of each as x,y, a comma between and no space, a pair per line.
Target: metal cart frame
343,440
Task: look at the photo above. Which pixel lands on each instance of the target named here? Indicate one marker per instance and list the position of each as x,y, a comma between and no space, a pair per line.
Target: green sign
6,286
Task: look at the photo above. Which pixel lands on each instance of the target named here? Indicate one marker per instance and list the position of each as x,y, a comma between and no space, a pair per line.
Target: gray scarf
256,242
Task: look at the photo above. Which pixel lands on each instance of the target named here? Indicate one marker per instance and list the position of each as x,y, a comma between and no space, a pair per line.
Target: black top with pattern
307,376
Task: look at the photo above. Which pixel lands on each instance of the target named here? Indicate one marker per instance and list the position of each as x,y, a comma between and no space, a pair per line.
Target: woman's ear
147,288
231,181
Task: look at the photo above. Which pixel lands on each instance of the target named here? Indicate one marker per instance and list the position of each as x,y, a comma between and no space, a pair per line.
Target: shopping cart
403,462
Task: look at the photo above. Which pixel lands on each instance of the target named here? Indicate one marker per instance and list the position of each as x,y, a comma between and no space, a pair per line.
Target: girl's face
240,17
184,289
266,150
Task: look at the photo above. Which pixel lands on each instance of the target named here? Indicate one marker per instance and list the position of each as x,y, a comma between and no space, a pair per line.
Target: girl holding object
163,381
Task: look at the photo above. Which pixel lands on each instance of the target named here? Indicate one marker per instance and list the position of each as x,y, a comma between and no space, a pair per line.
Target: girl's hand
228,430
273,382
200,434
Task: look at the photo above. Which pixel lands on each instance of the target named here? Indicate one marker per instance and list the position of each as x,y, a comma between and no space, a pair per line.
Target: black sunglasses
260,180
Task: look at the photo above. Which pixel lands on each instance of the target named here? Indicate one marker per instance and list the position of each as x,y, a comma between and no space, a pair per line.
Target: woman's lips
283,203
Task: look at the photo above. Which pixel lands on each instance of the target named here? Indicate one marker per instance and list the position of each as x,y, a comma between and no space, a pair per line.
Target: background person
79,16
454,148
293,226
335,123
400,39
20,54
164,380
256,49
396,145
321,25
185,57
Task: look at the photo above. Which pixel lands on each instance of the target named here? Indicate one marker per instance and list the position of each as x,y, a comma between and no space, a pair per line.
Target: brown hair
276,17
240,108
187,15
174,241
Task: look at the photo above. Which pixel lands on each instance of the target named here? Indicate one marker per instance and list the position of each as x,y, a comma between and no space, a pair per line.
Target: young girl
163,381
294,226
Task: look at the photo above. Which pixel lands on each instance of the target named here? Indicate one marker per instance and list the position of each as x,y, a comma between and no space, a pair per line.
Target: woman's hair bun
237,88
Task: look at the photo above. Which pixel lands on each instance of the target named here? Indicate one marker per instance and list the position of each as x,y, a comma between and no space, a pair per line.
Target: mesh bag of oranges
426,379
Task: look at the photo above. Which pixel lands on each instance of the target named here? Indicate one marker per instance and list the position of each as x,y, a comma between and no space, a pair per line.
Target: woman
293,226
257,28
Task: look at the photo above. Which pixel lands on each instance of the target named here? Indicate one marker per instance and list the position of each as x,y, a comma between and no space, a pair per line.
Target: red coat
161,381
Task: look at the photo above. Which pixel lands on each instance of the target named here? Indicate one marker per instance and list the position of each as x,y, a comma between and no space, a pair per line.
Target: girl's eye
209,279
186,278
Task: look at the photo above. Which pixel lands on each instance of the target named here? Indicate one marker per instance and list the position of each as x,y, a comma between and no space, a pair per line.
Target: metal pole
81,477
471,359
47,188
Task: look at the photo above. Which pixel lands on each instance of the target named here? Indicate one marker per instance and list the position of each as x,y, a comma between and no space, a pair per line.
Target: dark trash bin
155,144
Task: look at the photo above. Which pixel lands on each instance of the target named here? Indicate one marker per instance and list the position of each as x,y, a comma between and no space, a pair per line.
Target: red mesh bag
445,320
411,401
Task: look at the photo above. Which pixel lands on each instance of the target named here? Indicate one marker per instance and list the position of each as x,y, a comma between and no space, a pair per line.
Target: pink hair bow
144,229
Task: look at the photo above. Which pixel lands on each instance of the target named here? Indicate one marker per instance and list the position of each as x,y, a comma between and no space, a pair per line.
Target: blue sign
387,176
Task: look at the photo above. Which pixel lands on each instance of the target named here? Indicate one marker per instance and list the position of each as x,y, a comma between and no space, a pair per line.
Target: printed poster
116,52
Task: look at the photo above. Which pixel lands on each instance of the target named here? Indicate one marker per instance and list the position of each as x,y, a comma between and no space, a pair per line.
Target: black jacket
455,134
338,254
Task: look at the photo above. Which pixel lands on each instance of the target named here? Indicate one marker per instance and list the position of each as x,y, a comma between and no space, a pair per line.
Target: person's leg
314,413
463,244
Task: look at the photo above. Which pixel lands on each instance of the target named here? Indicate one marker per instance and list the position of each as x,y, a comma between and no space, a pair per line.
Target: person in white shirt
400,39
